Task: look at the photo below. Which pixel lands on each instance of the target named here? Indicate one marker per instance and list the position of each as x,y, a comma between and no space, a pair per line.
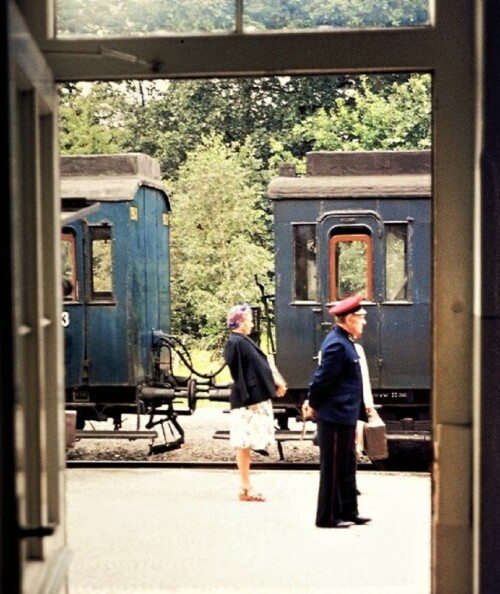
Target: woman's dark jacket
250,370
336,387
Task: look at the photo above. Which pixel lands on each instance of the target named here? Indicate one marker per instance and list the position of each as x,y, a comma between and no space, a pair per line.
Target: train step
119,434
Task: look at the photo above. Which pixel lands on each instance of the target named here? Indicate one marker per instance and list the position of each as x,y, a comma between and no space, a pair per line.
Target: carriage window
351,266
396,275
304,249
101,255
68,255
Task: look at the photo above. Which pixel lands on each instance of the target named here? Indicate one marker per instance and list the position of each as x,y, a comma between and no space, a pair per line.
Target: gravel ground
199,446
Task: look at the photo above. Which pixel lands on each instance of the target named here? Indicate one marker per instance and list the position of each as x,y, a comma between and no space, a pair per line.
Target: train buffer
281,435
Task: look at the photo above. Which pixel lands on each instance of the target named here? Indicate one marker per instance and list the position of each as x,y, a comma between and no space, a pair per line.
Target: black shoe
341,524
261,452
357,520
336,524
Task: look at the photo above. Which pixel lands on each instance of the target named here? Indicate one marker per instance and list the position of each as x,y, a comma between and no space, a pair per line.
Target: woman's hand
279,381
281,386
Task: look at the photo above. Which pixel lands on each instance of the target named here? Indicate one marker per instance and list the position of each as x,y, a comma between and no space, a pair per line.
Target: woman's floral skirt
252,426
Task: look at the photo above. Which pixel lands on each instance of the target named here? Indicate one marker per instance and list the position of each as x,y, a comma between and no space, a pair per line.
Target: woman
255,382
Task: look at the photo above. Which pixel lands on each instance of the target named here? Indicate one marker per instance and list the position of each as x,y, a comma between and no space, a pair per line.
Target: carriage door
351,244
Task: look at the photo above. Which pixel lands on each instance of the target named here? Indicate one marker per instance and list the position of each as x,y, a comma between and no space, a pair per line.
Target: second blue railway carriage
358,222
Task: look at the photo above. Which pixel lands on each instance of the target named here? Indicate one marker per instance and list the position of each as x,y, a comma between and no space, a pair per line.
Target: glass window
101,18
101,262
396,275
68,256
304,249
333,14
351,265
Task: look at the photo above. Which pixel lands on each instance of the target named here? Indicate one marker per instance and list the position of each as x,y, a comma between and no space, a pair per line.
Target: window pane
351,268
351,265
395,263
304,242
102,262
68,266
102,18
325,14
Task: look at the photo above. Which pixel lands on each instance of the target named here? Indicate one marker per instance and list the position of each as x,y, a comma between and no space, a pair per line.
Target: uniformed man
335,400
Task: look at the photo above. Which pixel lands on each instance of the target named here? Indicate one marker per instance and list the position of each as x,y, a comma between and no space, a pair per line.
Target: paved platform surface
183,531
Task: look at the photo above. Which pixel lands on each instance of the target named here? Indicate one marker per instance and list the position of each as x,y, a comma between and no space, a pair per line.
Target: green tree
92,119
171,123
215,236
282,117
394,117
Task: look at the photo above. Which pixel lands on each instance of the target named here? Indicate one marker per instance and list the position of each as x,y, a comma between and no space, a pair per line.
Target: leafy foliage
171,123
92,120
396,118
215,236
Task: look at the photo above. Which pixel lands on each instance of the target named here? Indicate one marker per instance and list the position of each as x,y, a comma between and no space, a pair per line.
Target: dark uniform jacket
250,371
336,388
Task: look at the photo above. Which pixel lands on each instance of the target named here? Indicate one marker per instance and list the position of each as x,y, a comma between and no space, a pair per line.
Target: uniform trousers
337,496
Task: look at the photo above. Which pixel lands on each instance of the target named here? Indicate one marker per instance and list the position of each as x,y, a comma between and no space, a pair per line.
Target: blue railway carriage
358,222
116,271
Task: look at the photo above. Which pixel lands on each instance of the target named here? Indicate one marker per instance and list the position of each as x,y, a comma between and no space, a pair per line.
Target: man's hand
308,413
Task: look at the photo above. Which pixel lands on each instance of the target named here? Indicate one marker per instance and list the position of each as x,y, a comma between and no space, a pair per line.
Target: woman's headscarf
236,315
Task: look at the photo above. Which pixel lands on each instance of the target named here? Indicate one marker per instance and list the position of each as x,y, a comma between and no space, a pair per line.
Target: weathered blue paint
397,338
109,342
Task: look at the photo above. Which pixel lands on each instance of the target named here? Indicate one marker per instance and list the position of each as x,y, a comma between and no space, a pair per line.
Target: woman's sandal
249,495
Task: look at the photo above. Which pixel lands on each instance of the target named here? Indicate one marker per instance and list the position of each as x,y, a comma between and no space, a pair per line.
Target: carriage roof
108,178
374,174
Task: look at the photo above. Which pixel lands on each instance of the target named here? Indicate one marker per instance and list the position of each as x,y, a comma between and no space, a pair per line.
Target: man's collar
344,331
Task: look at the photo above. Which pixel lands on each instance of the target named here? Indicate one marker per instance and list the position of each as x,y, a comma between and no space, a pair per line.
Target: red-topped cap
349,305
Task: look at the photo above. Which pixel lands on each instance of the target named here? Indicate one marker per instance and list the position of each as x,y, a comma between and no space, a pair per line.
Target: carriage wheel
191,394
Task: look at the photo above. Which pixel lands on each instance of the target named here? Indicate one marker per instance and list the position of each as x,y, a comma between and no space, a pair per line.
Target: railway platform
183,531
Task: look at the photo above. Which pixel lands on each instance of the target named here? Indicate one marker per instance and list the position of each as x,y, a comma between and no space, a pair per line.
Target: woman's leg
243,463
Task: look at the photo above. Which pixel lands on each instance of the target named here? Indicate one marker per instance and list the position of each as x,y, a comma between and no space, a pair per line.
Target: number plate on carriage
394,396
